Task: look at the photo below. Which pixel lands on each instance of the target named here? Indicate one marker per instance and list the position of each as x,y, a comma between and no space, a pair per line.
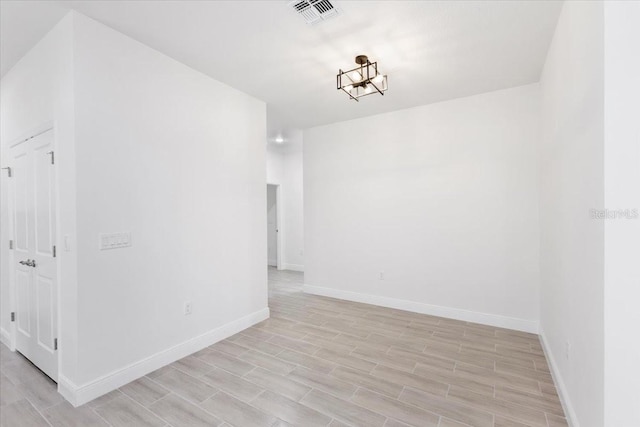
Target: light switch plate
115,240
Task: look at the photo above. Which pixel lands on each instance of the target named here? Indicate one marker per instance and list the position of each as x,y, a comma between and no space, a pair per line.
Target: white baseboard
80,394
569,412
434,310
5,337
294,267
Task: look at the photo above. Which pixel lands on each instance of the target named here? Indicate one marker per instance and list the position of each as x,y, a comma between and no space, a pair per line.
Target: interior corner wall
571,186
432,209
37,92
622,192
178,160
284,167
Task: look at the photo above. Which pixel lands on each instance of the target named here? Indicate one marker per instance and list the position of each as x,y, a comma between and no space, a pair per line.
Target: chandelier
363,80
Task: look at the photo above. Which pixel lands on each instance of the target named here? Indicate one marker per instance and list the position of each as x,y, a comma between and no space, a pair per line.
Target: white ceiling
432,50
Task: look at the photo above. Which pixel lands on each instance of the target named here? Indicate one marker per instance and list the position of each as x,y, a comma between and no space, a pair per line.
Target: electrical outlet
382,275
188,308
567,350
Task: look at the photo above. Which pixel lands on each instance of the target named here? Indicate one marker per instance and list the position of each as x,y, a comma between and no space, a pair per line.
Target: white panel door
34,262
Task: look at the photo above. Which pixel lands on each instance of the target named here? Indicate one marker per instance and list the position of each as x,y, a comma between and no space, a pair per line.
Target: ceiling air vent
314,11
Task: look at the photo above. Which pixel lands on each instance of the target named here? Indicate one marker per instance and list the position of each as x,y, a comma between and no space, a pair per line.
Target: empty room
319,213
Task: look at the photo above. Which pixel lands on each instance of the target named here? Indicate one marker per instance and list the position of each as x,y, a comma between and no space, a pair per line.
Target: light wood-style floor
318,362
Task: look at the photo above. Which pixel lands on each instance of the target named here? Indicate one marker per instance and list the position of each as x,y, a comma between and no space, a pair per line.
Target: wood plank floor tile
227,362
125,412
447,422
9,393
96,403
323,382
144,391
345,360
546,403
193,366
21,413
232,384
446,408
431,359
42,392
342,410
491,377
519,371
185,385
236,412
408,379
250,343
384,358
501,421
65,415
301,346
271,363
229,347
363,379
181,413
395,423
277,383
290,411
309,362
395,409
482,402
454,378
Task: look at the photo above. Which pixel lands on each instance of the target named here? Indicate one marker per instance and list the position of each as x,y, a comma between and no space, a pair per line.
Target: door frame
36,131
278,227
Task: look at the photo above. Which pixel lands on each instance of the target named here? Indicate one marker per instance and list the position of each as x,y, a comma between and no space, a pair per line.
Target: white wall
441,198
622,191
275,167
284,167
147,145
571,184
293,205
178,159
37,91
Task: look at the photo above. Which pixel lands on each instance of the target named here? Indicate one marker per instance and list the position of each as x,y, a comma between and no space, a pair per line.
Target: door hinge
13,316
54,251
8,171
55,343
10,244
52,157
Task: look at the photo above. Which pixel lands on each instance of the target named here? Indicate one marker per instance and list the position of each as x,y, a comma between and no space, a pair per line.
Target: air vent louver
314,11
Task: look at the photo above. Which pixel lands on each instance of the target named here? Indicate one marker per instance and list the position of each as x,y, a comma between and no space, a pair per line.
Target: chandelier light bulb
356,76
348,88
378,78
367,89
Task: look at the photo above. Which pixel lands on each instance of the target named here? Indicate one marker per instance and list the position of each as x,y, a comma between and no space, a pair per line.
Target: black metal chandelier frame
369,75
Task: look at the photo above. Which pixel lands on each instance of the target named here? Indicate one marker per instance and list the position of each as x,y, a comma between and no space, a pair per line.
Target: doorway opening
273,225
